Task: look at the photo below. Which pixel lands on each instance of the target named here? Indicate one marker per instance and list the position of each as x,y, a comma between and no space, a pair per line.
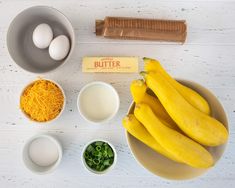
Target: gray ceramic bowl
166,168
20,44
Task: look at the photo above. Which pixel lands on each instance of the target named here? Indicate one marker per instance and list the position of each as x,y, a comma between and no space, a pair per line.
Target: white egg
42,36
59,47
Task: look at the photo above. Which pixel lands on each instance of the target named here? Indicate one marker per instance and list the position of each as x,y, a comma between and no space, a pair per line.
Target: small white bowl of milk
42,154
98,102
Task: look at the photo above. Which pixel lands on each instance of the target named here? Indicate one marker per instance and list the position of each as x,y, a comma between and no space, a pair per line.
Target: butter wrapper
110,64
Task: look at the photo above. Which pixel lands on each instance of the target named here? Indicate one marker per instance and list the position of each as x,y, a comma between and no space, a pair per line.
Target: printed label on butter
110,64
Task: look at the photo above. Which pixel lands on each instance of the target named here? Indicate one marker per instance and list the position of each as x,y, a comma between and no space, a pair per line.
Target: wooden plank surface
207,57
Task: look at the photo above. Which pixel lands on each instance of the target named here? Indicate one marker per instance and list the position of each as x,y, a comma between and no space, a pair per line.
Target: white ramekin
106,170
36,168
61,109
102,84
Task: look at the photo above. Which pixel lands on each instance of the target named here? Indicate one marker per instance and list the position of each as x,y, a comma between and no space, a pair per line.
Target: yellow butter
110,64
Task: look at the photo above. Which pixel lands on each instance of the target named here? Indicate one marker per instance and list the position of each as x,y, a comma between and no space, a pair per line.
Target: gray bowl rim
72,46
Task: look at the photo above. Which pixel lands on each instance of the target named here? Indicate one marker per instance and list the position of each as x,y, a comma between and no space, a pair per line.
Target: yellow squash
134,127
138,90
190,95
196,124
180,146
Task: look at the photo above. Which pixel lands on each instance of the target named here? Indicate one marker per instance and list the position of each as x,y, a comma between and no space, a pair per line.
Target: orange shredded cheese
42,100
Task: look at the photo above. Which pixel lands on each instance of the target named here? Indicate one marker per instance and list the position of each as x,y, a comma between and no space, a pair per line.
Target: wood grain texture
207,57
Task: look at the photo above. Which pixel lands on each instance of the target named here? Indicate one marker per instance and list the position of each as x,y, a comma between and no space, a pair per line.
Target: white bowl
106,170
34,167
61,109
101,84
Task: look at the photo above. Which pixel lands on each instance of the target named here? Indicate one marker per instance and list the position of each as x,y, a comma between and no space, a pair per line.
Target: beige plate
160,165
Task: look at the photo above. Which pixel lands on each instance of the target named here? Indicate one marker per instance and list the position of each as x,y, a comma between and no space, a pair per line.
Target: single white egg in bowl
42,36
59,47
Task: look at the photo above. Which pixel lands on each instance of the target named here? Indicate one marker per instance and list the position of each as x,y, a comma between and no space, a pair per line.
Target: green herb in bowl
99,156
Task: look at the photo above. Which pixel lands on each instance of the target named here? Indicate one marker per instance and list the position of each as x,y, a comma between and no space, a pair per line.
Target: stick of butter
110,64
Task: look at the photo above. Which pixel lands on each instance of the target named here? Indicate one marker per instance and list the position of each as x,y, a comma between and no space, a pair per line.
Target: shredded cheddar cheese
42,100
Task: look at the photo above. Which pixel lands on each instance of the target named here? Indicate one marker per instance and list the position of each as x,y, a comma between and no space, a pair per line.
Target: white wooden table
208,57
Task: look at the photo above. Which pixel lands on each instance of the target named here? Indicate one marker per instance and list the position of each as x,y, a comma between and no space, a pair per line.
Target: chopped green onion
105,153
89,163
99,143
90,148
110,152
106,162
101,167
86,154
96,161
98,148
99,156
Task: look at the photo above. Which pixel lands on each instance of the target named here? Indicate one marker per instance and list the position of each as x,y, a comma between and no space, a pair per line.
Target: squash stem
146,59
143,73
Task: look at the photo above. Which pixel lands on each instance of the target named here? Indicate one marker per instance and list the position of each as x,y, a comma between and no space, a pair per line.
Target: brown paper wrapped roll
142,29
